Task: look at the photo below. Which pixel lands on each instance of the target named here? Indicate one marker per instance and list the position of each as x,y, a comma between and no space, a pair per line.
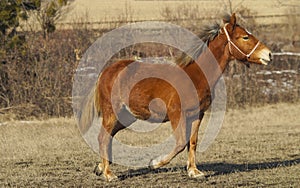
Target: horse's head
243,45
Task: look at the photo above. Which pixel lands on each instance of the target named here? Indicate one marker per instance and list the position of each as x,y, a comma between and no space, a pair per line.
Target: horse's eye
246,37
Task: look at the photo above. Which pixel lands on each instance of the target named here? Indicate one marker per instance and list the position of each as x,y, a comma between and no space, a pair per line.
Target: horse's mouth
265,56
264,61
261,61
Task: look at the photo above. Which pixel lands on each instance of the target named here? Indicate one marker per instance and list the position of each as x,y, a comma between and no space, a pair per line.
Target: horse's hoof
110,177
157,162
151,165
154,164
195,173
98,170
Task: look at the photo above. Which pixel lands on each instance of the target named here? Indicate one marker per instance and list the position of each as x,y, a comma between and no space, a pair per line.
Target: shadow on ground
217,168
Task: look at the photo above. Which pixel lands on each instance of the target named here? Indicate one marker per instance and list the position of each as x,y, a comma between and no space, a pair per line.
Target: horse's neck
218,59
220,50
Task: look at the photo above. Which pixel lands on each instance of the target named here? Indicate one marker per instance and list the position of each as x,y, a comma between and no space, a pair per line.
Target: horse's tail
89,111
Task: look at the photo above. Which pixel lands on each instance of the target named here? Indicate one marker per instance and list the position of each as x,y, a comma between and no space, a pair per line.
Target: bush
37,81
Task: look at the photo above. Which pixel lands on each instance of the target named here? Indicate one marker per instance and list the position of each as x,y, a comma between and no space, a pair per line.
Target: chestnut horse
226,43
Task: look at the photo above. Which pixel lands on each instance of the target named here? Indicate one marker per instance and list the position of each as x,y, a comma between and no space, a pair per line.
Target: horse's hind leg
179,128
109,128
192,145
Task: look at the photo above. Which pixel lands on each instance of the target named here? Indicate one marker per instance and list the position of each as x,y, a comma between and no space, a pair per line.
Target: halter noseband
236,47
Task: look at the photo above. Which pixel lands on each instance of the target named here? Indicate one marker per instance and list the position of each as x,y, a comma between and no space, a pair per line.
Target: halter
236,47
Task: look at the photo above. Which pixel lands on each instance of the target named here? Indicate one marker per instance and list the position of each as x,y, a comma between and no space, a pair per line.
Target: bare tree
229,7
50,13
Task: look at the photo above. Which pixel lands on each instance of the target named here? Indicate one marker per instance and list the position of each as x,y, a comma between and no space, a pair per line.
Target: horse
225,41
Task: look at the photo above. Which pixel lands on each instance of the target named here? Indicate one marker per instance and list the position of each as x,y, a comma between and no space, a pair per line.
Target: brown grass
155,10
256,147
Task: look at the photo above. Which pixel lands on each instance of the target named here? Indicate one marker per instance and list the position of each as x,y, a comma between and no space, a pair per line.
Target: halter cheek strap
236,47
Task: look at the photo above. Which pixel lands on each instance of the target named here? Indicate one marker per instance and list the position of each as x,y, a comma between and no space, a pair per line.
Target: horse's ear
232,23
233,20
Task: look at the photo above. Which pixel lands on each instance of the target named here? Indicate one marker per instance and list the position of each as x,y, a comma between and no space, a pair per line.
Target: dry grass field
256,147
104,10
109,13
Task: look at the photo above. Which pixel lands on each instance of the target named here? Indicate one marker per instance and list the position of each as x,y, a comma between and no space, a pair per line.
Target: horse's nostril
270,56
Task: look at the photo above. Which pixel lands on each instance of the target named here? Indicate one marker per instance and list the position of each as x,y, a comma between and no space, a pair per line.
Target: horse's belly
151,112
148,99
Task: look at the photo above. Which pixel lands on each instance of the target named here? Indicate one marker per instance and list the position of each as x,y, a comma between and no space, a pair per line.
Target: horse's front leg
193,172
179,127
